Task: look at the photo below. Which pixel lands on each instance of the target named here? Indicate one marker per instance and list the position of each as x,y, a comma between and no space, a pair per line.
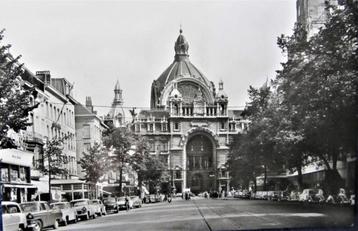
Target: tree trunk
334,160
120,179
49,181
265,177
255,184
299,177
140,185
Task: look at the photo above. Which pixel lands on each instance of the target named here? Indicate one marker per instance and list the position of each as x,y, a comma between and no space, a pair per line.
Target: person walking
127,203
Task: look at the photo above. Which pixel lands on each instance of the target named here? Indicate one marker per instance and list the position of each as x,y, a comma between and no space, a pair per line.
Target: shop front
15,175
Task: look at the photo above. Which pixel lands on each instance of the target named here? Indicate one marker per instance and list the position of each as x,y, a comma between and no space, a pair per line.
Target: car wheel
21,227
37,226
55,226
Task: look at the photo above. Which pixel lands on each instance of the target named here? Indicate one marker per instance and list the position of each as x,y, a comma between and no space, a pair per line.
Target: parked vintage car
68,212
136,201
99,206
13,217
40,215
110,204
311,195
84,208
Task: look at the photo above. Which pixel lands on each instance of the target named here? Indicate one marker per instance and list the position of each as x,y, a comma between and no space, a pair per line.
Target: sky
94,43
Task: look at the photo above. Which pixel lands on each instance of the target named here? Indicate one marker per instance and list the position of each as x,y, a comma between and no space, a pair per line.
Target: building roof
82,110
180,68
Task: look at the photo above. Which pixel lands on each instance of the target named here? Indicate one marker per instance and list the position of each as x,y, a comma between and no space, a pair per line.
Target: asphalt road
211,214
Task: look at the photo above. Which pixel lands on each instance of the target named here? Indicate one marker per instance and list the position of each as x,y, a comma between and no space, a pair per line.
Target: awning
107,193
16,157
18,186
42,186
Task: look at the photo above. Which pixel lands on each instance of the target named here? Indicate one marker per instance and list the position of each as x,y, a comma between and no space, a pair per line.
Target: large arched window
200,153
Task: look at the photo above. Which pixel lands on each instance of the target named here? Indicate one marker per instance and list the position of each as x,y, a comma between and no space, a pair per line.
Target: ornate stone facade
189,125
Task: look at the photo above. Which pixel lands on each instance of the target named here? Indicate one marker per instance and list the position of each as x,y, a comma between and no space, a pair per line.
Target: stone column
184,167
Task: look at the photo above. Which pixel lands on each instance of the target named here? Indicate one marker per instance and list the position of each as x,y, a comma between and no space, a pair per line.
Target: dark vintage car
39,215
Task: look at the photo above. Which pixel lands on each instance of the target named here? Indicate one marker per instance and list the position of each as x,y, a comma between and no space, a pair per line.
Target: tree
319,87
255,150
119,143
94,163
148,167
56,159
14,98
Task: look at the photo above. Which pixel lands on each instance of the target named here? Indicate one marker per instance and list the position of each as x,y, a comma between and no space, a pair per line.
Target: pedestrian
127,203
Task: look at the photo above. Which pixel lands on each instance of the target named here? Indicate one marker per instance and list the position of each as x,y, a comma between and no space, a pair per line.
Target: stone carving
199,124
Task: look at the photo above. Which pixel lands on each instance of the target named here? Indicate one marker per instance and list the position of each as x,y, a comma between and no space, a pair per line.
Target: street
217,214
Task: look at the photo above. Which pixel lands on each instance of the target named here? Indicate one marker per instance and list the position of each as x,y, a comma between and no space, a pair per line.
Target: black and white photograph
182,115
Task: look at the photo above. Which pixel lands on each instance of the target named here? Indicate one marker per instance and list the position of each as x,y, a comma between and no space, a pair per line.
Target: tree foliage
310,112
94,163
14,98
56,159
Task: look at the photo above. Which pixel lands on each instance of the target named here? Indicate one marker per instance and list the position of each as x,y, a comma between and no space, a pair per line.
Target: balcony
33,138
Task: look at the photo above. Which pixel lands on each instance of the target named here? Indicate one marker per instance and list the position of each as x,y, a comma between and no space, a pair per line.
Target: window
13,209
165,146
222,125
42,206
86,132
164,127
176,126
66,187
77,186
178,174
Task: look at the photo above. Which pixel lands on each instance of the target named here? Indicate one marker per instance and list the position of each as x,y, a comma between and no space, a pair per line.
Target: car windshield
58,206
313,191
110,200
30,207
78,203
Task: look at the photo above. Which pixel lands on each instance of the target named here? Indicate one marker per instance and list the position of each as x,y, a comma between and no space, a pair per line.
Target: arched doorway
200,163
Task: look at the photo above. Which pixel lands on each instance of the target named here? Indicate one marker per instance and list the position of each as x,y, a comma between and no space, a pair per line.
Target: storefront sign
16,157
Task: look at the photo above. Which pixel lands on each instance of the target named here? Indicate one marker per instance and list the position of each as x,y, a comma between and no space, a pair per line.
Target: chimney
89,104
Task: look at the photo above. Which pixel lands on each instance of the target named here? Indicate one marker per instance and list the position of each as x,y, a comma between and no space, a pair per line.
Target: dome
181,69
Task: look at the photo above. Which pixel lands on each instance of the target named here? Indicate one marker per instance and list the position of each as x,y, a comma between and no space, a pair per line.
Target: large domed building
189,125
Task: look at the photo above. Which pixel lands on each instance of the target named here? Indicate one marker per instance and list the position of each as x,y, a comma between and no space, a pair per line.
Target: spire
181,46
117,87
118,100
221,85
